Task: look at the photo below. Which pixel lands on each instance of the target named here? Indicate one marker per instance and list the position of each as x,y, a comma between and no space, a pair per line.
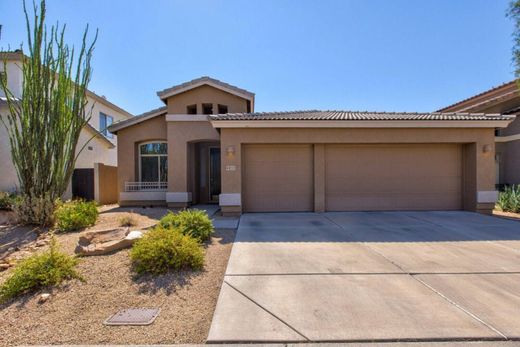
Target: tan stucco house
503,99
207,145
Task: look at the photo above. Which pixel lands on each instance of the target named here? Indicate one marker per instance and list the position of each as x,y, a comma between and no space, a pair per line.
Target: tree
44,126
513,12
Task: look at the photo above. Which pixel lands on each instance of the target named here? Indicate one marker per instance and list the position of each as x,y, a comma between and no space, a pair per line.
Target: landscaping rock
43,298
4,266
101,242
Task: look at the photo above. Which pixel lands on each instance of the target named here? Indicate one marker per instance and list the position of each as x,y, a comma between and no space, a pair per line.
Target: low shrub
76,214
37,210
127,221
49,268
162,249
509,199
7,200
195,223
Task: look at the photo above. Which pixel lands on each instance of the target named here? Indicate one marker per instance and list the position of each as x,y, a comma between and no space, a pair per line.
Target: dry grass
75,312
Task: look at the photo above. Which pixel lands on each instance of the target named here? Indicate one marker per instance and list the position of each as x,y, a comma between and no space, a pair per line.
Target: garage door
393,177
278,178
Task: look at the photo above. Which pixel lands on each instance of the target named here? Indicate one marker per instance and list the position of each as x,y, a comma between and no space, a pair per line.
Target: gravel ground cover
75,312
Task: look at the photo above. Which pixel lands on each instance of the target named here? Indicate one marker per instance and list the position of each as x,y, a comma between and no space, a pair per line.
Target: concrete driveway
371,276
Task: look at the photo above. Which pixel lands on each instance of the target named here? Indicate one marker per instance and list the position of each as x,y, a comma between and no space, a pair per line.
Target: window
207,108
191,109
153,163
104,122
222,109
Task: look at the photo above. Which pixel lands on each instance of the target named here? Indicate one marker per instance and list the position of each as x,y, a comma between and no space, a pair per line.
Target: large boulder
99,242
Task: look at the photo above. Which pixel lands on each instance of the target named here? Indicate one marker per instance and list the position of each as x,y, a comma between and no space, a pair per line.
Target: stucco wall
105,184
127,142
205,95
479,166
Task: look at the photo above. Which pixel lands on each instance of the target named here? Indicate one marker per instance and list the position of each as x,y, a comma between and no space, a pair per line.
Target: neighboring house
101,149
504,99
184,153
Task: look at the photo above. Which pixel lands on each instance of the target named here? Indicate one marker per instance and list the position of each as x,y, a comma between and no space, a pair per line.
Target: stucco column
178,194
486,193
230,199
319,178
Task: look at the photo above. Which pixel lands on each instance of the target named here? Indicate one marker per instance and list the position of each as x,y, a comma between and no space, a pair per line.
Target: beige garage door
393,177
277,178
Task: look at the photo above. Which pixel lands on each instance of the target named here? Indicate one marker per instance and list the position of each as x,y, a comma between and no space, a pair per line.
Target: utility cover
134,316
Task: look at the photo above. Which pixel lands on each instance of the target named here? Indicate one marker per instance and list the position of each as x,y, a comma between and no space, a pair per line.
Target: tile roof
355,116
504,85
201,80
137,119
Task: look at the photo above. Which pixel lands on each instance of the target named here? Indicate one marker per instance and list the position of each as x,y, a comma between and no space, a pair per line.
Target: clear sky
381,55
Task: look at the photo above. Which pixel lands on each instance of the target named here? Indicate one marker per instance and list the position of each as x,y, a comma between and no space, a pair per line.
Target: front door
214,173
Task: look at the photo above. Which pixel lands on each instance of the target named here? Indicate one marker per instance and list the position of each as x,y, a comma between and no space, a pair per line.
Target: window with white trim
153,162
104,122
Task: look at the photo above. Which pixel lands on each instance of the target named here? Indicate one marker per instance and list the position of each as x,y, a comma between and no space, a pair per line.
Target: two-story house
208,145
504,99
101,149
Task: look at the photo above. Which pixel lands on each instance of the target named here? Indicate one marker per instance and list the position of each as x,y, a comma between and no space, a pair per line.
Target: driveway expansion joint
267,311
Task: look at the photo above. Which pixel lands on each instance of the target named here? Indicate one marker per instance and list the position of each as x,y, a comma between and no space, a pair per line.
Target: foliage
509,199
127,221
75,214
45,124
163,249
49,268
513,12
195,223
7,200
32,209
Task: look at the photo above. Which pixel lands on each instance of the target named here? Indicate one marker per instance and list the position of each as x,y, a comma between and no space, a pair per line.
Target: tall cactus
45,124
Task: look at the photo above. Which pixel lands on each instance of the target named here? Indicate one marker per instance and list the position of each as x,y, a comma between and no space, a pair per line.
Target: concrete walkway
371,276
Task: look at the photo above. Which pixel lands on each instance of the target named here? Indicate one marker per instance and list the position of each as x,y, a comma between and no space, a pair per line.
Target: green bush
509,199
40,270
162,249
195,223
7,200
76,214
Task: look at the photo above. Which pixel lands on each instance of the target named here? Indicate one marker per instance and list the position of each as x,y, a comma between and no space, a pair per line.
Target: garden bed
74,314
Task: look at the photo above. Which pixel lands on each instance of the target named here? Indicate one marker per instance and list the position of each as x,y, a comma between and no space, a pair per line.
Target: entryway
205,172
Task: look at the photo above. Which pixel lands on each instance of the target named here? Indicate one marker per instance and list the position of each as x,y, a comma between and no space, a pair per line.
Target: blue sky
381,55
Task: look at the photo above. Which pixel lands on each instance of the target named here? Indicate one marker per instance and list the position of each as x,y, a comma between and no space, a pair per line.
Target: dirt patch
507,215
74,314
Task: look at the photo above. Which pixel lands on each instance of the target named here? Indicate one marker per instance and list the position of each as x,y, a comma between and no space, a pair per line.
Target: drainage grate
134,316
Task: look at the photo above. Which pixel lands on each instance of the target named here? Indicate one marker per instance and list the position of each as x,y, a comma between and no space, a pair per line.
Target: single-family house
208,145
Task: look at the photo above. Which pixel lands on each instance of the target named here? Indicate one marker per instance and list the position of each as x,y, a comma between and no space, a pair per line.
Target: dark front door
83,184
214,173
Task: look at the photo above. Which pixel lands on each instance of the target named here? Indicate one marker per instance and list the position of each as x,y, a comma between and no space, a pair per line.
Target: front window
153,162
222,109
104,122
207,108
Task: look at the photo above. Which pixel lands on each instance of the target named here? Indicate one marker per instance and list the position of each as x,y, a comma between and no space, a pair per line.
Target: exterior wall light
230,150
486,148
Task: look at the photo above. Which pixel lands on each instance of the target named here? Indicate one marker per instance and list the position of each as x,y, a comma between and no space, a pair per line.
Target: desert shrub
509,199
163,249
127,221
195,223
34,210
49,268
7,200
76,214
